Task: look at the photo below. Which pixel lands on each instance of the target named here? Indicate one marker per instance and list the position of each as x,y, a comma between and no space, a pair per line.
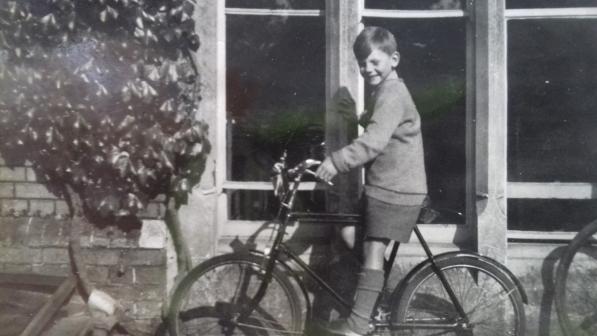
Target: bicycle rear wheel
213,299
491,300
576,284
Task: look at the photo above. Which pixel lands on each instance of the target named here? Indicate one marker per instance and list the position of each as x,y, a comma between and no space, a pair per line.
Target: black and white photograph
298,167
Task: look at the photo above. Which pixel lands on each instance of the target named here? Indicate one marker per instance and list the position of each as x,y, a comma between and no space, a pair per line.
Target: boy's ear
395,59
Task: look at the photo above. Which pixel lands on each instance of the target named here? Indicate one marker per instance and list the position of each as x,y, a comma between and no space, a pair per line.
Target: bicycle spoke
218,302
266,319
491,329
276,330
493,301
489,305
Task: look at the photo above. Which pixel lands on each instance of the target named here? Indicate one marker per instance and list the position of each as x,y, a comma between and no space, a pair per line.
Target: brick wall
22,195
34,235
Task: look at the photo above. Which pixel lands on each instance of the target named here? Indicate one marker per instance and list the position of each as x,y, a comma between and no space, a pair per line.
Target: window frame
547,190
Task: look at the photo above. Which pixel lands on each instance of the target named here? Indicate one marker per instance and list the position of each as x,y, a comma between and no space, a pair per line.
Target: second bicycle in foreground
576,284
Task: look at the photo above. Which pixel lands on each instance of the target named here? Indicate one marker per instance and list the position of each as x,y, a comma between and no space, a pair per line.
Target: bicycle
251,293
575,289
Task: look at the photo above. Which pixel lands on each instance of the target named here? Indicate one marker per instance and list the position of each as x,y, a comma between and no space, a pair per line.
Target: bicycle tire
207,299
575,285
483,290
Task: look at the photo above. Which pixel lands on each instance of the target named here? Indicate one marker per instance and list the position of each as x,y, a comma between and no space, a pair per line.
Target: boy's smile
378,66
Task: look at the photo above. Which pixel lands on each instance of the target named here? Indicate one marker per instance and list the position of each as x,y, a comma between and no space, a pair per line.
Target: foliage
99,95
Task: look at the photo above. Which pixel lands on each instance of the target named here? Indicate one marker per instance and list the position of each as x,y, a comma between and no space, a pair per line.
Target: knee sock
369,287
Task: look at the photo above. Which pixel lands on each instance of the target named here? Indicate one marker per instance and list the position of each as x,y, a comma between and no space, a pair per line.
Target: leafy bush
100,96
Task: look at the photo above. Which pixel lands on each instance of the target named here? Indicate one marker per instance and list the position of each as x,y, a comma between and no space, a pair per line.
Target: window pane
277,4
550,214
262,205
552,119
550,3
415,4
275,91
433,67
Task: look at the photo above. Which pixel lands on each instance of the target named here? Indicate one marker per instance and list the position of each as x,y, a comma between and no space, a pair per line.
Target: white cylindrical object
101,301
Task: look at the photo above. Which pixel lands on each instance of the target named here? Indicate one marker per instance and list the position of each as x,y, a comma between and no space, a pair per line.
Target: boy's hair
374,37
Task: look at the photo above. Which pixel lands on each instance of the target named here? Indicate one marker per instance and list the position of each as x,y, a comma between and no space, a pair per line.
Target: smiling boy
391,150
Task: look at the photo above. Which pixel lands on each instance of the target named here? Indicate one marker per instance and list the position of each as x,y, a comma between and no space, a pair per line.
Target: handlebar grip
311,162
310,172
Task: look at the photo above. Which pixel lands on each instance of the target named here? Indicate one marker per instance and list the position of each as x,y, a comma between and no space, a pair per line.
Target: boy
391,149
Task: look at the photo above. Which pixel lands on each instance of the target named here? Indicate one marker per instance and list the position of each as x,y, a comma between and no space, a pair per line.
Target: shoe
340,327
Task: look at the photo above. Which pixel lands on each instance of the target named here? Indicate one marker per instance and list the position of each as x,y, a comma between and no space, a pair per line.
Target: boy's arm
387,114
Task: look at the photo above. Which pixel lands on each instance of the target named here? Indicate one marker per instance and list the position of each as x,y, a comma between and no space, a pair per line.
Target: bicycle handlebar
304,168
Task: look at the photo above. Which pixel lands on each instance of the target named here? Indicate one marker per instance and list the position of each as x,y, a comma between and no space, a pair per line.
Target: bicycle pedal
381,315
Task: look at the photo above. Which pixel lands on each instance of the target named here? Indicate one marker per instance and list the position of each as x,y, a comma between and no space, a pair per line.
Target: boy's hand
326,170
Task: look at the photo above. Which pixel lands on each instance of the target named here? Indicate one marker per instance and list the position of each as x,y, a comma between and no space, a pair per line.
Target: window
504,89
552,144
275,98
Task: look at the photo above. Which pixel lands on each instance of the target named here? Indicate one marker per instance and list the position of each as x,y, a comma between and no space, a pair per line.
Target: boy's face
377,66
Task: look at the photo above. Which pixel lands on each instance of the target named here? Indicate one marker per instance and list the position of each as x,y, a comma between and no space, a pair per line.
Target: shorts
391,221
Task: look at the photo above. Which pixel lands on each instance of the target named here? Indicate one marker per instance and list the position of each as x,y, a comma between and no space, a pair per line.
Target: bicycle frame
286,216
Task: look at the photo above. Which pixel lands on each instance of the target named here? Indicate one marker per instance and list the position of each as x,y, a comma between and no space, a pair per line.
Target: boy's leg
374,250
348,234
370,285
352,237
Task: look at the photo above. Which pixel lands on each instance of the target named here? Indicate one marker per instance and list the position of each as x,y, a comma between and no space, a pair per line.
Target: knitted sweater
391,147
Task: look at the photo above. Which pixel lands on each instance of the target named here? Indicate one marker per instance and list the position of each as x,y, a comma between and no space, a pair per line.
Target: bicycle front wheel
489,297
576,285
215,299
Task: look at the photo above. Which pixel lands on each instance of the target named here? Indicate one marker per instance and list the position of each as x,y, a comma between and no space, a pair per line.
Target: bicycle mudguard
468,254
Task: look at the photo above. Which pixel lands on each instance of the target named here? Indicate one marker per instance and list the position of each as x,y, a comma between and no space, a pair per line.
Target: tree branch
183,259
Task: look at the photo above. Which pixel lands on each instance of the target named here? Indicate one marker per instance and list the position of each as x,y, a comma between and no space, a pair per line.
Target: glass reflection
550,214
262,205
415,4
277,4
513,4
552,75
275,91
